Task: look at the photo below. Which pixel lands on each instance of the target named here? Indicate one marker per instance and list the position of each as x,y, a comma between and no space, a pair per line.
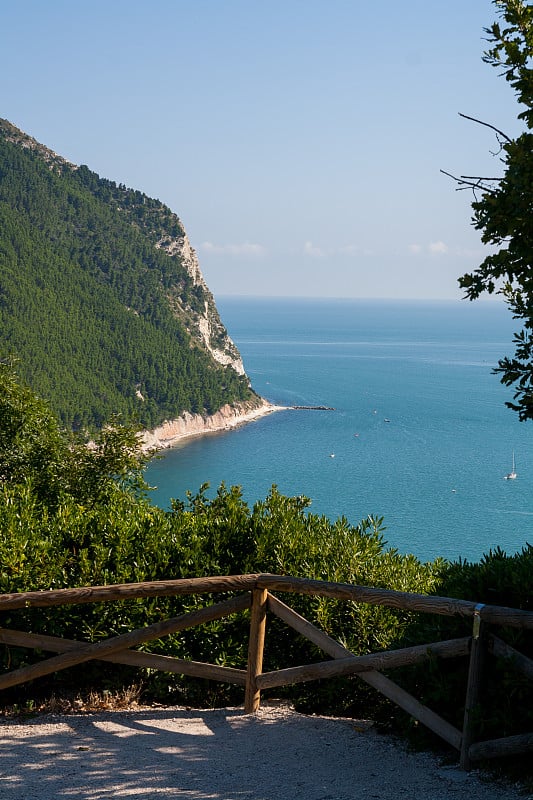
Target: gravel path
221,755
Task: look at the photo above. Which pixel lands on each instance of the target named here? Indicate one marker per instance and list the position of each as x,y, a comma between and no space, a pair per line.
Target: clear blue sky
299,141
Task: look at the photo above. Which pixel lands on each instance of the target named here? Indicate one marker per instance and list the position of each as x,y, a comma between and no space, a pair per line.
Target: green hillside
101,318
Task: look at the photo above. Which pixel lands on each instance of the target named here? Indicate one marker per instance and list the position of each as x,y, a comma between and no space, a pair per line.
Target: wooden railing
255,593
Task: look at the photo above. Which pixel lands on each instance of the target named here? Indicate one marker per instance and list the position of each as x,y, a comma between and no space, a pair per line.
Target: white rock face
226,418
209,327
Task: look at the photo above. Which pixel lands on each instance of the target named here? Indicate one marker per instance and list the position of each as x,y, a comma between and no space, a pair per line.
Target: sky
299,141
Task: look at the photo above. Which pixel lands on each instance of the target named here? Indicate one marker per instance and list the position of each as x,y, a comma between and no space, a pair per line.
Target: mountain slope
102,300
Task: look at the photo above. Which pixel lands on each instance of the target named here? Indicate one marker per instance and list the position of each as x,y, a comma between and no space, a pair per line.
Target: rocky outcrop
13,134
226,418
208,327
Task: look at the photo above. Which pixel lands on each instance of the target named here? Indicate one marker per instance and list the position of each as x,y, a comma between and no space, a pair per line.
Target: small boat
511,475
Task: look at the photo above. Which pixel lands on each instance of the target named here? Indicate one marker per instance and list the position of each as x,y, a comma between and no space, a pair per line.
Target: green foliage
498,579
504,210
31,444
96,311
506,705
36,452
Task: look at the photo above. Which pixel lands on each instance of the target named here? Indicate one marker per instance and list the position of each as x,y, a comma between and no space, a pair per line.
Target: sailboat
511,475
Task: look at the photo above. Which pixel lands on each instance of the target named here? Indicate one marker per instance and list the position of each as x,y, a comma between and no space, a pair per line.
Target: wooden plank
363,594
501,649
89,652
181,666
255,650
414,707
307,629
130,657
473,688
497,615
382,684
388,659
496,748
447,606
127,591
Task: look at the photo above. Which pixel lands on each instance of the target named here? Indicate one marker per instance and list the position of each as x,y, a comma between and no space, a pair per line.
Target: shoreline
190,425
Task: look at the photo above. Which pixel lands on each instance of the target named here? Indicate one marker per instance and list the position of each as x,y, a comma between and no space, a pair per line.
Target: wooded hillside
96,305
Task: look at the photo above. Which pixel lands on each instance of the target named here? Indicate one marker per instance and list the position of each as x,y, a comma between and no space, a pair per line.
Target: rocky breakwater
226,418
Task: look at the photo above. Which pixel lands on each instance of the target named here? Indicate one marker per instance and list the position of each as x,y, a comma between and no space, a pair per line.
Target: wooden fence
255,592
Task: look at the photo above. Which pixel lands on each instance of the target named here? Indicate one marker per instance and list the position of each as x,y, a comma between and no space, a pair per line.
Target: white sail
511,475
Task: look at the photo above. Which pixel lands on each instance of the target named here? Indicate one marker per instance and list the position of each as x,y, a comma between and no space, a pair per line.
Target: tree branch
487,125
478,178
474,183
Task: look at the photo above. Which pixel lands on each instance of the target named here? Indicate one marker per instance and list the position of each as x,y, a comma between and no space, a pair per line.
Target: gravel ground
222,755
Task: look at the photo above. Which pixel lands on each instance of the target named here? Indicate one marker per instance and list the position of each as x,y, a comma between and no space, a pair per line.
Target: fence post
473,687
255,649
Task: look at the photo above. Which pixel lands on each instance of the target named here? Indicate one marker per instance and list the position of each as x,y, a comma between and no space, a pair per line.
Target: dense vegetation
72,515
98,316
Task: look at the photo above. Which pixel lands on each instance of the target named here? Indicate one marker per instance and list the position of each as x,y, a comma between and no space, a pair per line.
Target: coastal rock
208,327
226,418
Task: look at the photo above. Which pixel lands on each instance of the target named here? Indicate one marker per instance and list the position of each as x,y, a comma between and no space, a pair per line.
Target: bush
506,704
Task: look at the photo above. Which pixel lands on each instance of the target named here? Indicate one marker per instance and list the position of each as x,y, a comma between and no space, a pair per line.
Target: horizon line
254,296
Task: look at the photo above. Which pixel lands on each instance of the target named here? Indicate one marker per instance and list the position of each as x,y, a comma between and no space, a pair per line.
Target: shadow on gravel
221,755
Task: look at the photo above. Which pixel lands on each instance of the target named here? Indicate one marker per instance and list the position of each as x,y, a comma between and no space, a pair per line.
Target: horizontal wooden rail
388,659
497,748
444,606
429,604
90,652
126,591
133,658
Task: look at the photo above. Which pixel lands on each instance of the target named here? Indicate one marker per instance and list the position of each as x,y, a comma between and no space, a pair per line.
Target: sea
416,431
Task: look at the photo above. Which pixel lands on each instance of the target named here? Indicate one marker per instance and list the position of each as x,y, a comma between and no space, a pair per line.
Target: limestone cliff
204,323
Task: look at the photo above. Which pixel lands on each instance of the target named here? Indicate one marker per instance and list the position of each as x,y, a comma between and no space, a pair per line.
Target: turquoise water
420,434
